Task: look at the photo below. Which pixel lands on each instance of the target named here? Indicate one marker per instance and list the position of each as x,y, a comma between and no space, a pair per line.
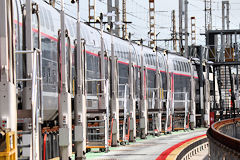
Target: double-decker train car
177,67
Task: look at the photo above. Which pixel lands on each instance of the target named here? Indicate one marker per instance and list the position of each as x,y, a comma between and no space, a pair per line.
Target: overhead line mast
152,31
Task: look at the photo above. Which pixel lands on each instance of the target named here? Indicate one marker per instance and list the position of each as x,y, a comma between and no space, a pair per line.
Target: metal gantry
152,24
193,30
124,19
113,7
208,15
174,31
92,11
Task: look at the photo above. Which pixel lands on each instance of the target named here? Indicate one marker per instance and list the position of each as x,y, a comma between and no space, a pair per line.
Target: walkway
148,149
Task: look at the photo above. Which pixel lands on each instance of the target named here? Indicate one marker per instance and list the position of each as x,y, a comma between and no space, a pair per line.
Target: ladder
30,147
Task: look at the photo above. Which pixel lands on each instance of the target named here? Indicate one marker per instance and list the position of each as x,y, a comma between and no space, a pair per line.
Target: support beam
193,97
143,99
102,68
132,99
28,98
80,119
159,89
64,105
114,94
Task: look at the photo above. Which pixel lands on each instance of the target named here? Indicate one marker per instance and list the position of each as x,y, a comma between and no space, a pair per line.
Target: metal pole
143,105
168,94
174,33
207,93
186,29
27,90
193,104
114,94
132,102
102,66
158,91
80,97
124,19
64,105
237,78
180,27
201,83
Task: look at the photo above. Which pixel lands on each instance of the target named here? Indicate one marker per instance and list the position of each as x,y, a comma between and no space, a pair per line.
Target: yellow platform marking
173,155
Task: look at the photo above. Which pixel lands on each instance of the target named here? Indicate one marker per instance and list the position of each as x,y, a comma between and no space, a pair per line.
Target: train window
125,53
42,21
160,62
151,59
174,65
74,28
135,56
154,60
183,65
178,65
46,18
188,67
51,20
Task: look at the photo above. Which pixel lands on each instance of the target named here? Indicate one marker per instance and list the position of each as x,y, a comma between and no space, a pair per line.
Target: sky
137,13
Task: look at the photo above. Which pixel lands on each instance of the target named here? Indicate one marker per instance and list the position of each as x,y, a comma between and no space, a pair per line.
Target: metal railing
224,140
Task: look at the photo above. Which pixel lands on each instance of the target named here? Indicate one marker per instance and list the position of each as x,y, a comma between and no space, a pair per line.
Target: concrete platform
148,149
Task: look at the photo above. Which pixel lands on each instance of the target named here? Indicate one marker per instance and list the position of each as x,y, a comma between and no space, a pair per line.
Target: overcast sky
137,13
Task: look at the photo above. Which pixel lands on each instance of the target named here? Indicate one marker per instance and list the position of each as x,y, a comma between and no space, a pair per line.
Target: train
179,68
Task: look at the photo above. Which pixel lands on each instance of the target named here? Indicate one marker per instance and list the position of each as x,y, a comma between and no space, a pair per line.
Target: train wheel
102,149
